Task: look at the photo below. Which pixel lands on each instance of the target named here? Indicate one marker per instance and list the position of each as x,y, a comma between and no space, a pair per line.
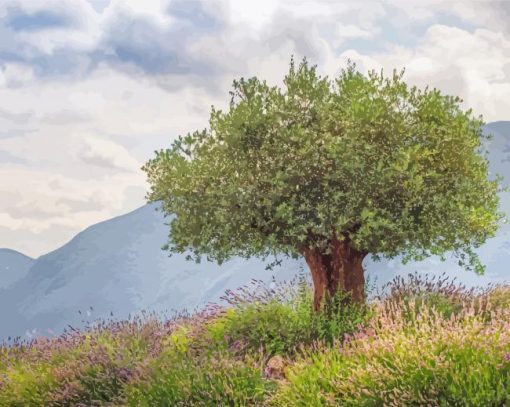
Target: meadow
420,341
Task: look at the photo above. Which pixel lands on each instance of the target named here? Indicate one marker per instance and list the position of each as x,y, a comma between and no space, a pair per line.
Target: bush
90,367
425,360
22,386
280,323
499,297
424,342
217,379
438,292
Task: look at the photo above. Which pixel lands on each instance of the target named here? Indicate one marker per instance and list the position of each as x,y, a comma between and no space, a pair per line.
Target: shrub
26,385
439,292
281,322
499,297
217,379
425,360
426,341
89,367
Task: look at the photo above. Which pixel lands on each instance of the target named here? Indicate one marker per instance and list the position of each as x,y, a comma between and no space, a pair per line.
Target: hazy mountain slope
499,158
117,266
13,266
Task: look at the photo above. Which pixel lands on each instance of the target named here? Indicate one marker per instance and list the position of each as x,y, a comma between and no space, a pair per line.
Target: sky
89,89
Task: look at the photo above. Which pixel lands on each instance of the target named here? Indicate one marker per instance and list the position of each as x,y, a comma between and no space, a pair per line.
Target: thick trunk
342,269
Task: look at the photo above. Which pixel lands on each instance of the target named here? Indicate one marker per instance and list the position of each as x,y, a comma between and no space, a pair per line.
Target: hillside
13,267
423,342
117,267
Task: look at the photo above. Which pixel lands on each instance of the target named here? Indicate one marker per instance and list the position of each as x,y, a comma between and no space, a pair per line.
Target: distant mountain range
13,267
118,267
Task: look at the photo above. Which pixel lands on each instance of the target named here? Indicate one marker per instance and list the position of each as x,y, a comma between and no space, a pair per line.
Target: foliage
499,297
179,379
406,348
425,360
392,168
88,367
438,292
280,322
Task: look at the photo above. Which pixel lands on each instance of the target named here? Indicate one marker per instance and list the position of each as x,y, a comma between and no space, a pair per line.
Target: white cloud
153,9
352,31
83,143
473,66
91,88
74,24
44,209
14,75
106,154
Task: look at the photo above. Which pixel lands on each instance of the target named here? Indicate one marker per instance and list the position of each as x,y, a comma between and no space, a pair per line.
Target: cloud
14,75
352,31
32,242
153,41
70,38
492,14
473,66
83,143
20,20
99,5
107,154
16,117
173,43
91,88
52,37
13,133
6,157
41,210
77,205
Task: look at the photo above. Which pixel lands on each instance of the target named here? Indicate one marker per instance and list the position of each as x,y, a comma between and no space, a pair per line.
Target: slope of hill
117,266
499,158
263,351
13,267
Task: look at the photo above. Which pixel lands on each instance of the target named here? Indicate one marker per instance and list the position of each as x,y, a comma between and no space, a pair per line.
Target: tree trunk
342,269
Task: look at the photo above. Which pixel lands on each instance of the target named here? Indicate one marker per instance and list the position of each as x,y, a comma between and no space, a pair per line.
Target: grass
422,341
424,360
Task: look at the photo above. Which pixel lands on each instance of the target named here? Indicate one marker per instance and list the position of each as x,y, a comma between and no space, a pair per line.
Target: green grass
422,342
277,326
179,379
425,360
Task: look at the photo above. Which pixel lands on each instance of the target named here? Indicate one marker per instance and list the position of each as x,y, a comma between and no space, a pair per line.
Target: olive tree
332,170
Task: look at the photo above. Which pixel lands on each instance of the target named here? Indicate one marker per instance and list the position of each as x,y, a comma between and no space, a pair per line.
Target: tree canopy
388,167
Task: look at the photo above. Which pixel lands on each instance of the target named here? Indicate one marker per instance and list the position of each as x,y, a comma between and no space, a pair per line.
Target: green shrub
280,326
427,360
499,297
440,293
27,385
89,368
217,379
273,327
338,320
423,343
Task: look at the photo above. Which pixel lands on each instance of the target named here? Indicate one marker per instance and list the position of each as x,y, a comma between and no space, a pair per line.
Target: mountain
499,159
13,267
117,267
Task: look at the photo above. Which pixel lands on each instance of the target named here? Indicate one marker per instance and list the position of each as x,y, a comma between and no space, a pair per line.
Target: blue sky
89,89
